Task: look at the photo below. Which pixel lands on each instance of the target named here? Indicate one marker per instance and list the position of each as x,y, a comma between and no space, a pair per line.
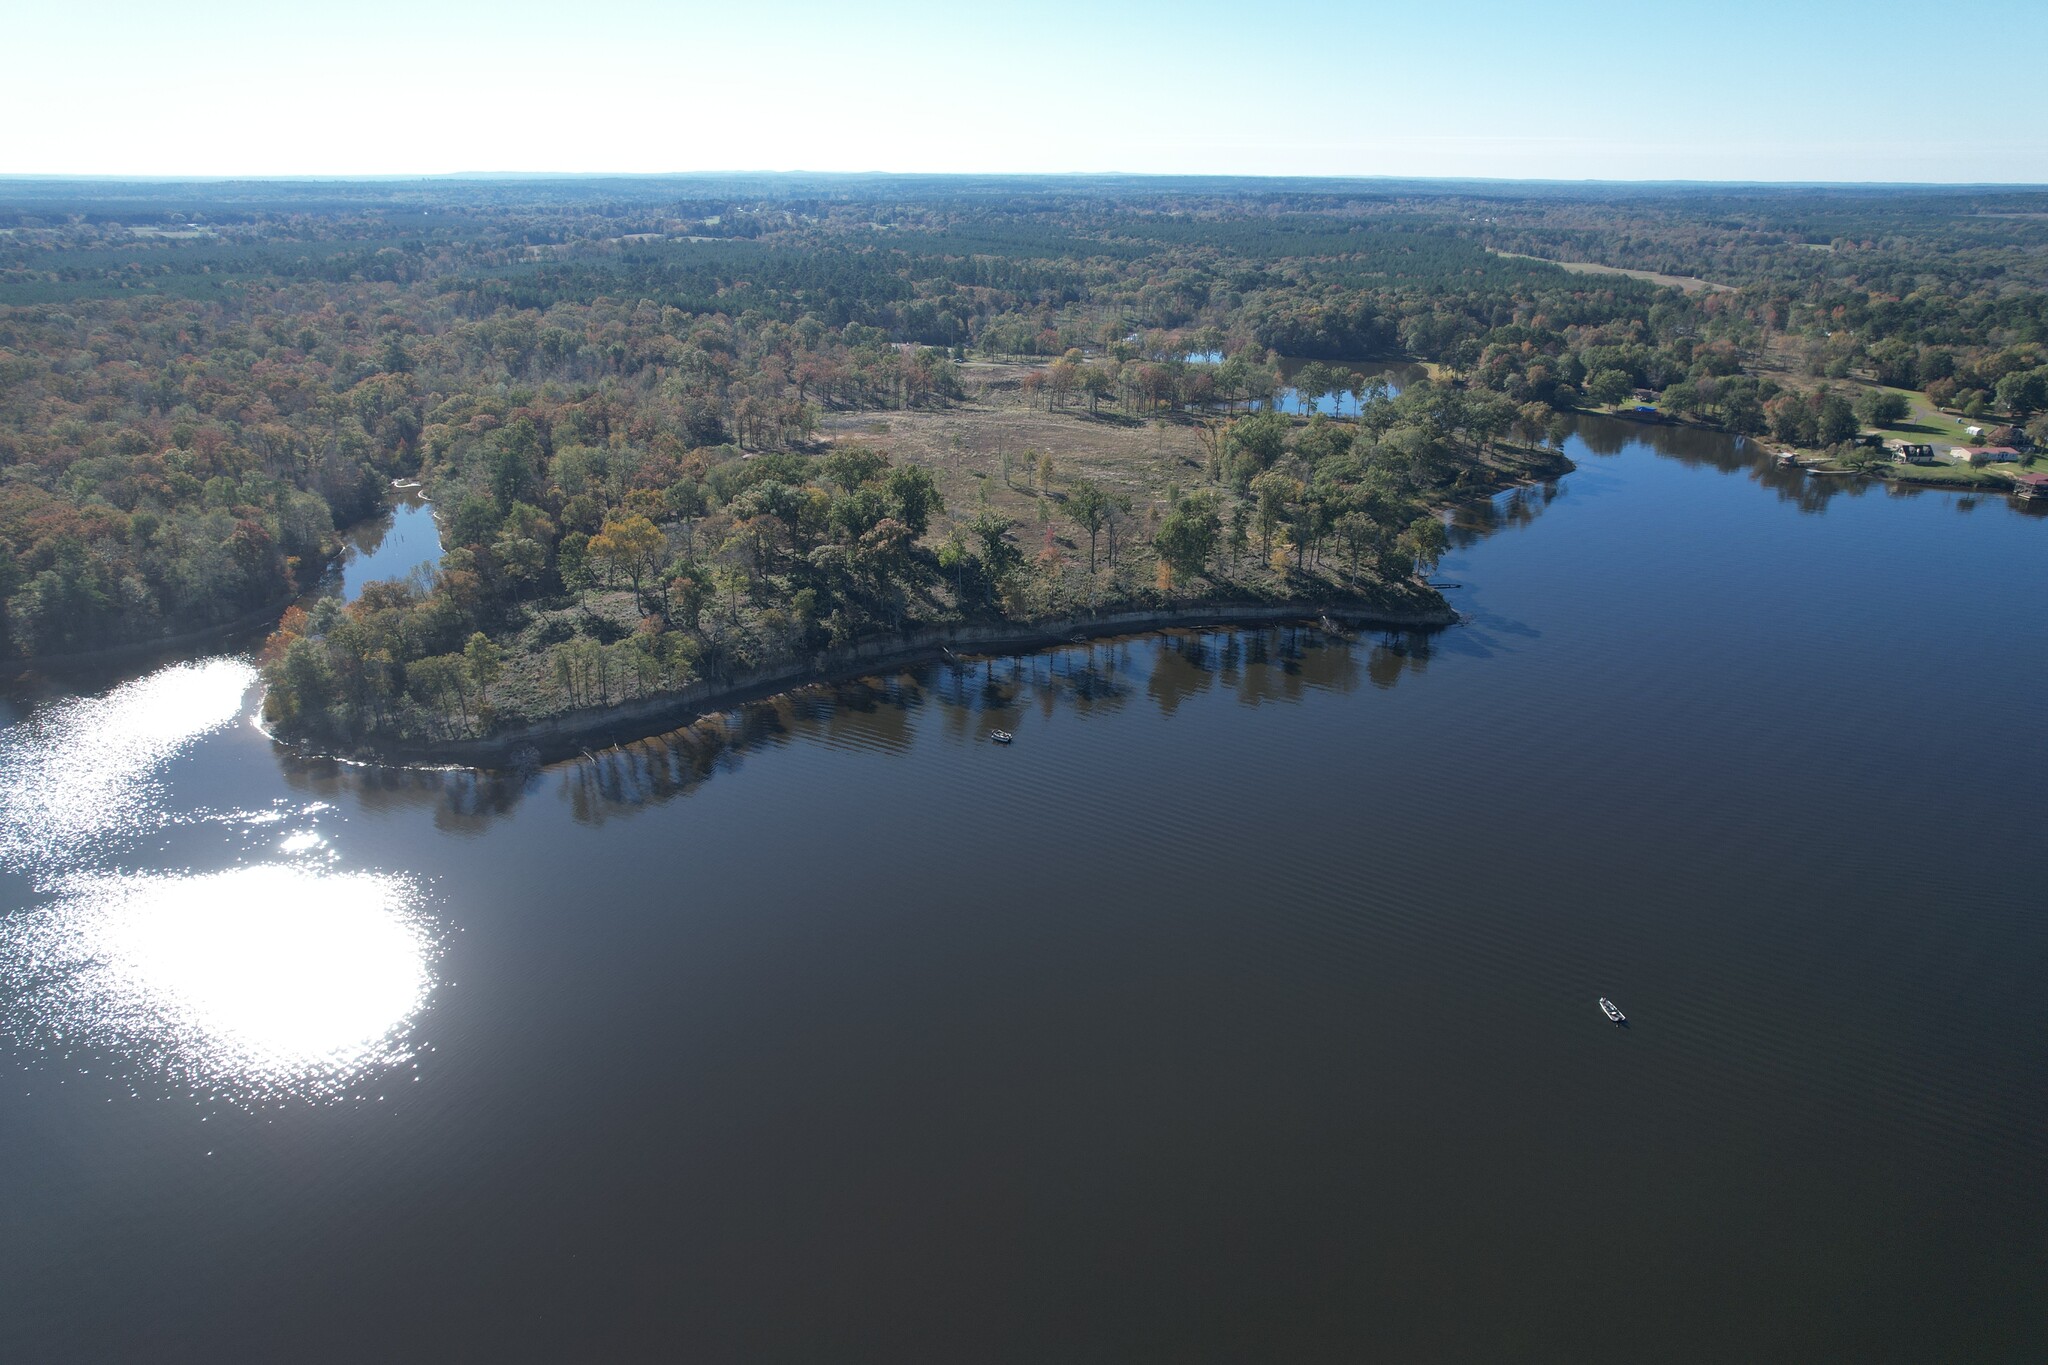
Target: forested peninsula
679,431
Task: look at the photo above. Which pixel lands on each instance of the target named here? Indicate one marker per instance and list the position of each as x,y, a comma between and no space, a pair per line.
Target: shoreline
263,619
567,733
1989,479
572,732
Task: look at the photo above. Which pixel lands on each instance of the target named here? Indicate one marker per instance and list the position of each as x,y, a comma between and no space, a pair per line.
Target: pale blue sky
1571,89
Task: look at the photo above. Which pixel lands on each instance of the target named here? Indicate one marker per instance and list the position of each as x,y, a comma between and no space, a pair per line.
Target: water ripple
278,978
273,980
87,770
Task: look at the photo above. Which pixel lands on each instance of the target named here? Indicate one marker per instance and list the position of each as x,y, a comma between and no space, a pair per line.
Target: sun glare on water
265,980
284,977
87,768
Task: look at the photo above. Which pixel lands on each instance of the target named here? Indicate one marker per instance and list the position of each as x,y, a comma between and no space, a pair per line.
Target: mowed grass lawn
1924,421
1959,474
1991,476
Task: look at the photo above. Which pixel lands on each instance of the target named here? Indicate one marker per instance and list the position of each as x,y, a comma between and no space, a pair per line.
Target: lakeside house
1999,454
1912,452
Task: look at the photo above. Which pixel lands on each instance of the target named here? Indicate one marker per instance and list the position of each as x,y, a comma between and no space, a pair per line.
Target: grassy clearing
1997,476
985,453
1960,475
1923,421
1691,284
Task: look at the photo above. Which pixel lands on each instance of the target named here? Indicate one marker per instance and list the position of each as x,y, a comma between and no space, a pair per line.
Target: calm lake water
1343,403
1244,1008
399,545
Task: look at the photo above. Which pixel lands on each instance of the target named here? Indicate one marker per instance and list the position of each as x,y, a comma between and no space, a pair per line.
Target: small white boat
1612,1010
1001,736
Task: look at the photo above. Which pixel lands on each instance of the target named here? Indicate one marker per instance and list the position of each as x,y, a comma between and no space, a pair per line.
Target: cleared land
1691,284
985,452
1996,477
1923,421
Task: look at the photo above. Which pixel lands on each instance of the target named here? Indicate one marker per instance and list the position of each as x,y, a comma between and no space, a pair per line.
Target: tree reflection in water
960,699
1511,510
1703,448
957,701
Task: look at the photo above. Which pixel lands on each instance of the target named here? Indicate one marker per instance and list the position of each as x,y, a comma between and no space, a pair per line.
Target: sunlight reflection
268,980
85,768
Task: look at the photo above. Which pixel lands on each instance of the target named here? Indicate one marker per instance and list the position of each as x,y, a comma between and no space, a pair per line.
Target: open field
999,451
1689,283
1923,422
968,448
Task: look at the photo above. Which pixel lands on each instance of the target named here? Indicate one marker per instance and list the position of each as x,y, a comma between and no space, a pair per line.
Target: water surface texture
1244,1008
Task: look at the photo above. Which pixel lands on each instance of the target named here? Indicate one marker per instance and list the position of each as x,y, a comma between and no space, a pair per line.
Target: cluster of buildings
2013,447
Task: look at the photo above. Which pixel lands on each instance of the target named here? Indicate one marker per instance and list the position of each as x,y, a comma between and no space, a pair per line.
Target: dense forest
649,412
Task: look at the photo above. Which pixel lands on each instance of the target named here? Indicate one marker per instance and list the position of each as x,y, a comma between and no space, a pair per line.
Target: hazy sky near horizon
1577,89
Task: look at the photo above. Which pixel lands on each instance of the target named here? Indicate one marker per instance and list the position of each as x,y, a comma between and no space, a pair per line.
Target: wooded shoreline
259,621
567,733
571,732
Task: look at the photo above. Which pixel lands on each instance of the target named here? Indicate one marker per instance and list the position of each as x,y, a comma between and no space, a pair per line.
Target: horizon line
379,177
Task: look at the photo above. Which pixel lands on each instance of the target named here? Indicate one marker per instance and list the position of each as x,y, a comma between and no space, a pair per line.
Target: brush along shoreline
569,733
1410,605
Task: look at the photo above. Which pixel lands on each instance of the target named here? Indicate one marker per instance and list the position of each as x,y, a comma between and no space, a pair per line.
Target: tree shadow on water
884,716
